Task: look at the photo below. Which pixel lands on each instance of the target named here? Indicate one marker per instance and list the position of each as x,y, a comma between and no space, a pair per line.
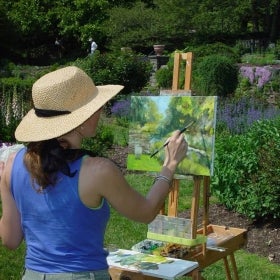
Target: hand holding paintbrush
166,143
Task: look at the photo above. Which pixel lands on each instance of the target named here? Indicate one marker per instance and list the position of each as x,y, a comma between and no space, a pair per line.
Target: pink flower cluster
258,76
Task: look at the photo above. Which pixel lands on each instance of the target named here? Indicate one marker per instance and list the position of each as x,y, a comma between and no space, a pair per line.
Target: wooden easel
178,57
205,257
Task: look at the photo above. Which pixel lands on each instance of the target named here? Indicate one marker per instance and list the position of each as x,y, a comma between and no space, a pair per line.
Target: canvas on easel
154,118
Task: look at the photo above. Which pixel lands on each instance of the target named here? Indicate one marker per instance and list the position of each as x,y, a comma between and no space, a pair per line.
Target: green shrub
247,170
240,48
259,59
213,49
103,140
164,77
125,68
216,75
277,50
133,71
275,82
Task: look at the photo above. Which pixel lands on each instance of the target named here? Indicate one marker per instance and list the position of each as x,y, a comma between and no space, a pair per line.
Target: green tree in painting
143,111
138,106
179,113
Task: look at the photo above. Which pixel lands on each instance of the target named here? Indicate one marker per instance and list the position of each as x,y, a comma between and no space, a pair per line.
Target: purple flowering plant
258,76
237,117
120,109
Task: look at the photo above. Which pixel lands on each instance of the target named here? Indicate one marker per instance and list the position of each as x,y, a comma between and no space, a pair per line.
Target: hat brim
33,128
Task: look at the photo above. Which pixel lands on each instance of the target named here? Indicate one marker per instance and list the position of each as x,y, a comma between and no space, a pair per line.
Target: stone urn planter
158,49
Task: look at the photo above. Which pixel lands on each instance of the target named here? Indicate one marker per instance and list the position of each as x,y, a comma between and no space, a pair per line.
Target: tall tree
7,34
143,25
38,22
237,17
173,22
130,27
30,22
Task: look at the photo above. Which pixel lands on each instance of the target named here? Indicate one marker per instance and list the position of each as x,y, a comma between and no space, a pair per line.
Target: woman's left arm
10,224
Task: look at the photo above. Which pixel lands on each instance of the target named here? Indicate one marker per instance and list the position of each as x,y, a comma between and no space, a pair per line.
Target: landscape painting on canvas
154,118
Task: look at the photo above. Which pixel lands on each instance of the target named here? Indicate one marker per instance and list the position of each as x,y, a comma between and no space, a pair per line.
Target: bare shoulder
98,178
99,165
101,171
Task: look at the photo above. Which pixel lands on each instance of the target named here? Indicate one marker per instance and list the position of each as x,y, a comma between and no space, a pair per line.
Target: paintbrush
166,143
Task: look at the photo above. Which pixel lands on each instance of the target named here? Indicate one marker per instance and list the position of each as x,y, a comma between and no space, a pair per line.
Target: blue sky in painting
162,102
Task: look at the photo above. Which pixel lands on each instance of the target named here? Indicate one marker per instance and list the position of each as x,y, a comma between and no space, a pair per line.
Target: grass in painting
144,163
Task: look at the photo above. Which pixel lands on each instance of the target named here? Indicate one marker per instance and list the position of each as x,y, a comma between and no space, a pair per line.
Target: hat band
44,113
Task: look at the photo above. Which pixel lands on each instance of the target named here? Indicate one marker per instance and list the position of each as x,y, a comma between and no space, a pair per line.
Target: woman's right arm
104,179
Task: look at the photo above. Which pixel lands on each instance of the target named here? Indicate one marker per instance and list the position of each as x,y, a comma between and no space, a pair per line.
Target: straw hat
62,100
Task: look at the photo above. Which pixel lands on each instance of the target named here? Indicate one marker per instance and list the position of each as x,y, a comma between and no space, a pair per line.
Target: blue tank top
61,233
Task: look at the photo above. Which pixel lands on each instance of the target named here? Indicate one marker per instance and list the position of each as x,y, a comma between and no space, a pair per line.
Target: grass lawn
123,233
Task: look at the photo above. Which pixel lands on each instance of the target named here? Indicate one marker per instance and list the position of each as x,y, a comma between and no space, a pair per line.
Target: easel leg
173,199
234,267
195,204
196,275
205,220
162,210
227,268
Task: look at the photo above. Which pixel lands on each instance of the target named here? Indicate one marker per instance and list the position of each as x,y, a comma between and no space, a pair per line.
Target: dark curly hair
45,159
